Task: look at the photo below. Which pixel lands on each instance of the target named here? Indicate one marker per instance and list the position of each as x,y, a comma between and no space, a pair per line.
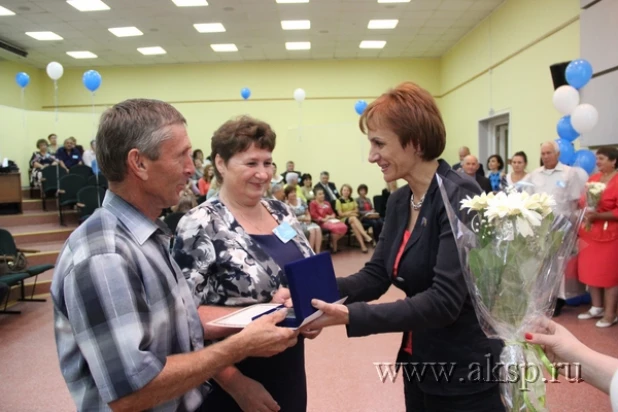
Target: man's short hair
141,124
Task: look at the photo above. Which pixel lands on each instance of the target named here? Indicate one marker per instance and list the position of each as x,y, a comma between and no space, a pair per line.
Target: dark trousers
419,401
376,224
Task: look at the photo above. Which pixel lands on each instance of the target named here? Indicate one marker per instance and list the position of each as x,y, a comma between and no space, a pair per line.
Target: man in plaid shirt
128,332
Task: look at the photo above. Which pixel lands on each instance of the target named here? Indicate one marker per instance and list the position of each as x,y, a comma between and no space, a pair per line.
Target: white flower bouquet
594,190
513,251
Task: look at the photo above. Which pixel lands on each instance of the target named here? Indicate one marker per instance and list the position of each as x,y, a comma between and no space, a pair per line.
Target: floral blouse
44,159
222,263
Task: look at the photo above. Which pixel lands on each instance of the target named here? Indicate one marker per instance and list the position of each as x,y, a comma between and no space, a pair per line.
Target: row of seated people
66,157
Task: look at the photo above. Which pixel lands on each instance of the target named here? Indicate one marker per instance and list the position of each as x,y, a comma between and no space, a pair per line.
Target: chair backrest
99,180
50,176
91,200
82,170
378,205
71,184
7,243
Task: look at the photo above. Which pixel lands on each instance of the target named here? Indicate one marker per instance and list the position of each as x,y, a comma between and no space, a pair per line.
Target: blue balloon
586,160
565,129
360,106
578,73
22,79
567,152
245,93
92,80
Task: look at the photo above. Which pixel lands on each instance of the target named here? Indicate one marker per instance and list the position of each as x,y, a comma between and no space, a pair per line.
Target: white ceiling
427,28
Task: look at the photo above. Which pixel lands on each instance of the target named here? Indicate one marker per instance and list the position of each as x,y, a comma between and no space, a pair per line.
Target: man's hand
264,339
251,396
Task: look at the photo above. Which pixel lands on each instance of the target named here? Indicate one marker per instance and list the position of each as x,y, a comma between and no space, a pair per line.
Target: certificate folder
308,278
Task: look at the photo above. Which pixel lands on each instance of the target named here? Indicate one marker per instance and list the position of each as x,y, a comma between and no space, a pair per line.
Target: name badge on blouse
284,232
561,184
75,157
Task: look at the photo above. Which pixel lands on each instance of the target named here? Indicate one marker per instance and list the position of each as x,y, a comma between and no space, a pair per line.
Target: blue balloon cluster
360,106
92,80
578,73
22,79
245,93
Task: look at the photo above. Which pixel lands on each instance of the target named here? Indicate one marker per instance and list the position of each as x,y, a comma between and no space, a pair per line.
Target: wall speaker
557,74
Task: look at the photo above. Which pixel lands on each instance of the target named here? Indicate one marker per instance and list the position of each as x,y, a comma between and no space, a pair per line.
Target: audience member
306,182
276,179
289,168
368,215
204,183
470,166
566,184
330,190
322,213
53,144
519,161
291,179
311,230
496,177
90,154
598,236
347,211
463,152
39,161
68,156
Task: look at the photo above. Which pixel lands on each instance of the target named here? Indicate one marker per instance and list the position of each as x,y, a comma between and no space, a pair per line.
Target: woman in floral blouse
227,250
39,161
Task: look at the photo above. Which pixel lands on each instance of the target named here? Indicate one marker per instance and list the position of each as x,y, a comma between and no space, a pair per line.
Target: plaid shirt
121,306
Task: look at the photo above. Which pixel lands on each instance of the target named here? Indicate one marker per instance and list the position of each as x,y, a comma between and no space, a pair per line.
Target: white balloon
299,95
55,70
584,118
566,99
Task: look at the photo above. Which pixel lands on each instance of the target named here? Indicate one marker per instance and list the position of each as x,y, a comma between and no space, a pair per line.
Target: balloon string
300,121
56,98
23,108
94,117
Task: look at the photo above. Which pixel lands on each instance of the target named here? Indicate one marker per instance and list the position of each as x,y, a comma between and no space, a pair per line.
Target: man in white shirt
90,155
566,184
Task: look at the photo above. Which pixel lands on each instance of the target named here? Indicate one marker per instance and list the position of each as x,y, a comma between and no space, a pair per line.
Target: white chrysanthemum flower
478,202
595,188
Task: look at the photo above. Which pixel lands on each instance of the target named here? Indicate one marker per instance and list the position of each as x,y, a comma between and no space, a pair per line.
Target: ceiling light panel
209,27
6,12
382,24
372,44
82,55
222,48
125,31
298,45
190,3
88,5
295,24
43,35
151,51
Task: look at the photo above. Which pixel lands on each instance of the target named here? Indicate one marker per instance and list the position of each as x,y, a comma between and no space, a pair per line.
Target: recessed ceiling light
6,12
88,5
150,51
82,55
372,44
295,24
298,45
382,24
393,1
190,3
292,1
43,35
209,27
224,47
125,31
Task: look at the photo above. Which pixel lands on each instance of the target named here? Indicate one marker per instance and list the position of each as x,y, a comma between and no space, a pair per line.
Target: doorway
494,138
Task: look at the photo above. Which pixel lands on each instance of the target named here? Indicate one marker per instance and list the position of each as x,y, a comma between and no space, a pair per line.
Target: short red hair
412,114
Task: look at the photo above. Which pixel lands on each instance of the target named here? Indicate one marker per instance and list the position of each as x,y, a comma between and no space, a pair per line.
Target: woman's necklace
416,206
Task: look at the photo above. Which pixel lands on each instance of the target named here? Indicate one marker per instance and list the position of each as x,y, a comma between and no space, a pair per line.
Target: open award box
309,278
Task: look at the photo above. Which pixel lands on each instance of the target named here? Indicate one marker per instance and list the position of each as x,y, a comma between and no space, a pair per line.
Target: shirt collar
559,168
140,227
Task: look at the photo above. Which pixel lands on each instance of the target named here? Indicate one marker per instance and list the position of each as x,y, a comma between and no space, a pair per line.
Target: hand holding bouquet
594,190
